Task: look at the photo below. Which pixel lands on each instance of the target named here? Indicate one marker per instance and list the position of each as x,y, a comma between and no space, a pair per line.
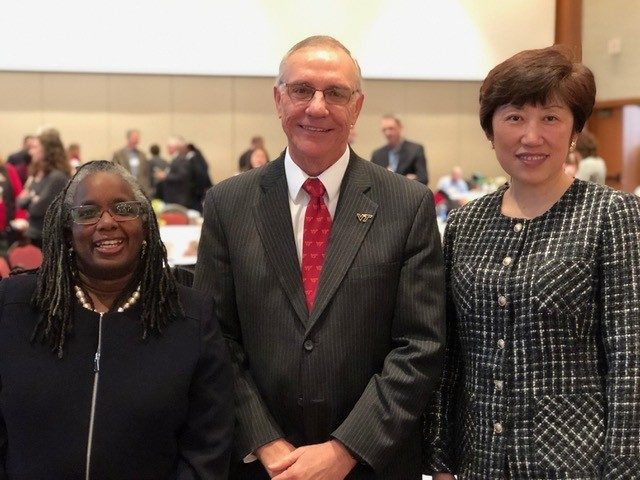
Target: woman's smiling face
108,249
532,141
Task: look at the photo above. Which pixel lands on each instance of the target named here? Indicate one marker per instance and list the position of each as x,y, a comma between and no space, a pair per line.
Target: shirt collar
331,178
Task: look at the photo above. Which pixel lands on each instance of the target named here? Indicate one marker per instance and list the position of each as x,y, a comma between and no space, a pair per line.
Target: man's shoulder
120,153
141,155
383,150
412,146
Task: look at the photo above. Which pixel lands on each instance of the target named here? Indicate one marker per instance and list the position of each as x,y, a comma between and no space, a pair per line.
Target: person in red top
10,188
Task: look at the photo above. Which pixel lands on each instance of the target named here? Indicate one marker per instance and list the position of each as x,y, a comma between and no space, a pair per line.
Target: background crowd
328,335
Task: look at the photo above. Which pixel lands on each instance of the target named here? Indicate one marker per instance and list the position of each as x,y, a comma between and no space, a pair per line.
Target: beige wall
617,76
220,114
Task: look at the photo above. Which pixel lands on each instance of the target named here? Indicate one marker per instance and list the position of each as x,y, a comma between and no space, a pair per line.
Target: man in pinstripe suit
330,386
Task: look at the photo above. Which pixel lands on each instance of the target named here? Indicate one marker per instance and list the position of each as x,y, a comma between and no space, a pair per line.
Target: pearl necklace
87,304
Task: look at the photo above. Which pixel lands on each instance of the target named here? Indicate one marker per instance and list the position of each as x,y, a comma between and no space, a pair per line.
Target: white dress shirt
331,178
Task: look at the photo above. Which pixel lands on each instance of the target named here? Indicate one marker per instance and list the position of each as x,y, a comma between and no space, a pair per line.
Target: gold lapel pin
364,217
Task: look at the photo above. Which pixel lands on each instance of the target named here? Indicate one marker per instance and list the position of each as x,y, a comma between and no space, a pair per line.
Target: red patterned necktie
317,226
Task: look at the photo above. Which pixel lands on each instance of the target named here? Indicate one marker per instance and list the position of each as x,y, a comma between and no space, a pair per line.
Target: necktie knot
314,187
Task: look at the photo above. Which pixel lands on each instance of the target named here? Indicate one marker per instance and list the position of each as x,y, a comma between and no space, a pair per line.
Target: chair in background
174,214
4,268
25,256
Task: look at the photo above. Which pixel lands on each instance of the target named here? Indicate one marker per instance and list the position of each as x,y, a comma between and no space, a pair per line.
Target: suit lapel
347,233
273,220
403,157
386,157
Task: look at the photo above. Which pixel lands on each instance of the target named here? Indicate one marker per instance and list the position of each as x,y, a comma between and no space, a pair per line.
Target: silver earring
573,146
70,252
144,248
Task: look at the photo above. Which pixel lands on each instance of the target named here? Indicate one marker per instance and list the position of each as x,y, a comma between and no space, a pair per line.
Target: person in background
21,159
73,154
335,357
591,167
109,368
134,160
156,164
49,172
400,155
200,175
542,370
10,189
244,160
259,157
453,184
187,179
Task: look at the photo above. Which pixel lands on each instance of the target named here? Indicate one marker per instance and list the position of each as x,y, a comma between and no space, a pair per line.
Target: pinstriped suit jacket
360,365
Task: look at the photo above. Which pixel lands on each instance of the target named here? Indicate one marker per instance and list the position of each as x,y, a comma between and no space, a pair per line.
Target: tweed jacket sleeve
440,416
621,336
421,165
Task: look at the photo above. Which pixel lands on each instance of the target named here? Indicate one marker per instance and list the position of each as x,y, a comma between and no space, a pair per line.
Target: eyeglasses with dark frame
303,92
120,212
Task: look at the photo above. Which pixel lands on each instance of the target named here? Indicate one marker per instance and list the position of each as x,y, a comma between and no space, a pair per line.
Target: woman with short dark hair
542,372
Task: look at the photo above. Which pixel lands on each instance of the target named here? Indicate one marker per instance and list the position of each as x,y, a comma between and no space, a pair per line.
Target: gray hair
319,41
96,166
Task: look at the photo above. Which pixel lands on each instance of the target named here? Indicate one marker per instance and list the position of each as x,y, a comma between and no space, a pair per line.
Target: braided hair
54,296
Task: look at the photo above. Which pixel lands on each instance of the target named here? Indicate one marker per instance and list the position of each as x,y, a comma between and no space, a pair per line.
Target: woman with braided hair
108,367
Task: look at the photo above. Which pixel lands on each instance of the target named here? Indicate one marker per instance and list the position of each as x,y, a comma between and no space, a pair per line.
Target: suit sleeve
144,177
205,444
117,157
421,166
377,157
620,297
438,444
390,407
255,426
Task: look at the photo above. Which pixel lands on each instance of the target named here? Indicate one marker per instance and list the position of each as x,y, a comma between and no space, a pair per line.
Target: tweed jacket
358,367
411,159
542,368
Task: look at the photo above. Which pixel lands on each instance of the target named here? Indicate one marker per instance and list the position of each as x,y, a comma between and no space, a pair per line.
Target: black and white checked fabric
543,341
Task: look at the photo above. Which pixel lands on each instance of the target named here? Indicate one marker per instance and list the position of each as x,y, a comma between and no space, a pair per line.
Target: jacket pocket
569,432
563,286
